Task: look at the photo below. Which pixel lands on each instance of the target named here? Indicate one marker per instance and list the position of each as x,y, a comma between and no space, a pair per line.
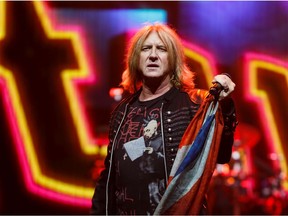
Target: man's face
154,57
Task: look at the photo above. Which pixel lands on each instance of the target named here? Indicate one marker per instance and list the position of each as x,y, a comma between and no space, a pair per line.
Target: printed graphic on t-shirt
140,169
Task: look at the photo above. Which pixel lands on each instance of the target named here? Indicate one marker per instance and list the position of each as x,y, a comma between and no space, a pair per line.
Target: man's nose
153,58
153,55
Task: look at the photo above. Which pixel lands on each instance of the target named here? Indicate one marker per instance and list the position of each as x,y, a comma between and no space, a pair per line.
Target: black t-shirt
139,159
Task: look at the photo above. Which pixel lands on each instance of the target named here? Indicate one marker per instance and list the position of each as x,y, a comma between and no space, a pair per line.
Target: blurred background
60,66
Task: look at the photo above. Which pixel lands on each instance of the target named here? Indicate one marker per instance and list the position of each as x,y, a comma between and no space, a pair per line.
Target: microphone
217,87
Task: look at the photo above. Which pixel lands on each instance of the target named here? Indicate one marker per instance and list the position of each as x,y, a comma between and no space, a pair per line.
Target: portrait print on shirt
148,148
145,159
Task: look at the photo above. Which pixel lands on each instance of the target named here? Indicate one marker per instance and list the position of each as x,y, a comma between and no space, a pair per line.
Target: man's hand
226,82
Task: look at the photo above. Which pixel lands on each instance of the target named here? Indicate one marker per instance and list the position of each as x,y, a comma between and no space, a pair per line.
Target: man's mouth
152,65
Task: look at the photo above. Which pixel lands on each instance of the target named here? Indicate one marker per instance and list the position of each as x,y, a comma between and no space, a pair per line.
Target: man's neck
149,93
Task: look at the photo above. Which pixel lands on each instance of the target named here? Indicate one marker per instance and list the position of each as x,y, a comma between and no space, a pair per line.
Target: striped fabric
194,163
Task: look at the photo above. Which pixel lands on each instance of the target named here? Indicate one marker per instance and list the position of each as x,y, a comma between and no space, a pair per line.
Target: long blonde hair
182,76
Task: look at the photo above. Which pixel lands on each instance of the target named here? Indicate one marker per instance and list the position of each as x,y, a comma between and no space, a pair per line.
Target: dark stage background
61,61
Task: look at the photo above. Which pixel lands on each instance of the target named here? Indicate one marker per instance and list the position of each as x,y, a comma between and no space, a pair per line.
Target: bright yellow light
206,62
254,66
21,128
2,19
68,76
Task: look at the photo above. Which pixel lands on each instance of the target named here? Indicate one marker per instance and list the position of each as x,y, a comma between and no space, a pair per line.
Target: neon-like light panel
204,58
36,182
72,78
254,62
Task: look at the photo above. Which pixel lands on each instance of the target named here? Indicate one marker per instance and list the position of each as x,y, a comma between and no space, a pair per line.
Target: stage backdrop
60,69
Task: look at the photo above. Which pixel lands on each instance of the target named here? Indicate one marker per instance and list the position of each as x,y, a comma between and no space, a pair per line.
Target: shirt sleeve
230,123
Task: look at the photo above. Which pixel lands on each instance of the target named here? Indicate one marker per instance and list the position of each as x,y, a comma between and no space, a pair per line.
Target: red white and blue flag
194,163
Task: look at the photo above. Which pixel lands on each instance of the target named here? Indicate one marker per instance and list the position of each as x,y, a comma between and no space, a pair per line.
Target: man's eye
145,48
162,49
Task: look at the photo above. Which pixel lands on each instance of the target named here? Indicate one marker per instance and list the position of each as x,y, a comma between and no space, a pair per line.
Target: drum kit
236,190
